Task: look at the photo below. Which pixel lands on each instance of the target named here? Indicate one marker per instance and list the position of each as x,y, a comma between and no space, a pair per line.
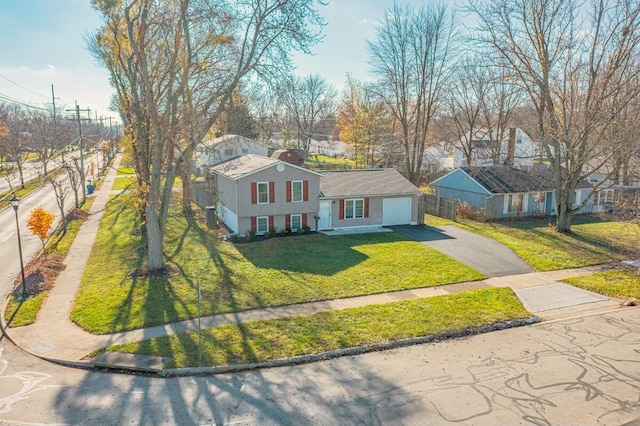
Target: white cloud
364,21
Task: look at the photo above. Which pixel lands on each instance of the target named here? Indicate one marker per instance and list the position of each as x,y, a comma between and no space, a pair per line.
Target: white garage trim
396,211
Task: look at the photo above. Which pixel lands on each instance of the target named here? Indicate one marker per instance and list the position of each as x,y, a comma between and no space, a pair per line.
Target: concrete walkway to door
481,253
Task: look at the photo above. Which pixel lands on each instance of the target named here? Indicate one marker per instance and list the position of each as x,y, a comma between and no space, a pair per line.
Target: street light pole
15,202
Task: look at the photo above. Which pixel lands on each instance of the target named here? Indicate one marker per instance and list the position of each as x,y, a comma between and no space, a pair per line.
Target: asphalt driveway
483,254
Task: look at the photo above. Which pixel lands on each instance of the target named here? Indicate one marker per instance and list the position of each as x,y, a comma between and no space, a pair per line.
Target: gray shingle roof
240,166
356,183
506,180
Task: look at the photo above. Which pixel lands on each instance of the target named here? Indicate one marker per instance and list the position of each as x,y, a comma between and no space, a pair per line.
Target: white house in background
330,148
448,156
226,147
523,154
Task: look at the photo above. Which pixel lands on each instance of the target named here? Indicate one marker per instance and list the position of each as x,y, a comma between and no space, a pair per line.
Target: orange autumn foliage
40,221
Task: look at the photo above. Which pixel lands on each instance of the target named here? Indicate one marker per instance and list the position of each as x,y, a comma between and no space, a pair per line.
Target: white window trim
291,222
353,200
258,192
525,202
266,219
604,196
293,200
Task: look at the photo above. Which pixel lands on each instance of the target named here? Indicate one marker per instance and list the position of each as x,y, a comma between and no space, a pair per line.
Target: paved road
483,254
582,371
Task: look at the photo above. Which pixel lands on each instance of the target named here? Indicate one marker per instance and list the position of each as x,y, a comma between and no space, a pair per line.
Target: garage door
396,211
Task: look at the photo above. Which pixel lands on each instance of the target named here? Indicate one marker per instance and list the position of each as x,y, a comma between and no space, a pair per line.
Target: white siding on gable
396,211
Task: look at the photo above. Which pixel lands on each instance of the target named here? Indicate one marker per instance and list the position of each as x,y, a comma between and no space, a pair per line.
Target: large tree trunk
154,240
565,200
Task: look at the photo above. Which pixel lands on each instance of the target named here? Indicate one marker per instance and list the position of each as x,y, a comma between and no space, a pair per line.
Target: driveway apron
483,254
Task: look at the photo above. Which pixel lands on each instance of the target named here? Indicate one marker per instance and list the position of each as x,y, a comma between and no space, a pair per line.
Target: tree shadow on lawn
310,254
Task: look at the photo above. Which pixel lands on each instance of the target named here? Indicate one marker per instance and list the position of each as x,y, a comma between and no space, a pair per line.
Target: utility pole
77,111
53,99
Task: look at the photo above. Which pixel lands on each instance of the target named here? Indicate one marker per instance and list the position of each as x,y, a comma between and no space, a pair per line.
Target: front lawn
125,182
622,284
257,341
234,278
592,241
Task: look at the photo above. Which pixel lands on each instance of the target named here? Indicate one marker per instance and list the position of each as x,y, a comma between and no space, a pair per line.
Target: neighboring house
257,194
292,156
503,191
328,147
376,197
521,151
226,147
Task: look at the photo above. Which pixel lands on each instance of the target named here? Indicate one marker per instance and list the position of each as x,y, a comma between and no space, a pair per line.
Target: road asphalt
55,337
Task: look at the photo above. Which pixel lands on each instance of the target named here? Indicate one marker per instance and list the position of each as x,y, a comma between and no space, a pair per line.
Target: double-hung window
296,222
262,225
263,192
354,209
296,191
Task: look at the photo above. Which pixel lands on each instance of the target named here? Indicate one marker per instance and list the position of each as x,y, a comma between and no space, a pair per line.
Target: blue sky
41,43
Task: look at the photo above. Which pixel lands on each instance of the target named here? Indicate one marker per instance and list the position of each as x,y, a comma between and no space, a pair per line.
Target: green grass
123,183
235,278
323,161
20,313
126,171
301,335
622,284
592,241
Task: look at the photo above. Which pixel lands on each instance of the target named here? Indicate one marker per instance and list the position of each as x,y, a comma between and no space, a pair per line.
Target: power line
22,87
10,100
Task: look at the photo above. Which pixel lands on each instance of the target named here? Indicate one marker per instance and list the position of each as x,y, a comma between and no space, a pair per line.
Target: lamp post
15,202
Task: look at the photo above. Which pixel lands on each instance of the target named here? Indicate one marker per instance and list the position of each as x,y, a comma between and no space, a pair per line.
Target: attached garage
396,211
365,198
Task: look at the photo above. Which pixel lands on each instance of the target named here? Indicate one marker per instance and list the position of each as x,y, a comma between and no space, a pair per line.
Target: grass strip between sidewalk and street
24,312
621,284
265,340
592,241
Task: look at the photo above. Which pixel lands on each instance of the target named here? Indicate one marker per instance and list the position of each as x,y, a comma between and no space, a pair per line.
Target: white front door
324,222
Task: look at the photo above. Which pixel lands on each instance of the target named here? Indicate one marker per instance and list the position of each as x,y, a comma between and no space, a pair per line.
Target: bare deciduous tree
573,64
175,65
411,56
310,101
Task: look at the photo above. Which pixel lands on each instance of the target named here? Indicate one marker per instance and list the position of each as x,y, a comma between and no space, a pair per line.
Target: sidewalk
54,336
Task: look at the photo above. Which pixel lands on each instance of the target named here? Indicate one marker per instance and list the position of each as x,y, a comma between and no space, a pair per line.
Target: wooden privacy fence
438,206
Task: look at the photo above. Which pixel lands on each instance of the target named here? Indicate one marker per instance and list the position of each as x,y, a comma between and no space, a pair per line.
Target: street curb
292,361
282,362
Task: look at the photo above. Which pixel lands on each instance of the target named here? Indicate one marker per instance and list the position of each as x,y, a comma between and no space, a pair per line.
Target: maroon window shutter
287,221
305,190
288,191
304,219
341,209
272,192
254,226
366,207
254,193
271,223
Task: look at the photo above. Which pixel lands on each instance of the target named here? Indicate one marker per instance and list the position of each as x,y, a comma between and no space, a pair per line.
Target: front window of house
354,209
604,196
262,225
514,203
296,191
263,192
296,222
